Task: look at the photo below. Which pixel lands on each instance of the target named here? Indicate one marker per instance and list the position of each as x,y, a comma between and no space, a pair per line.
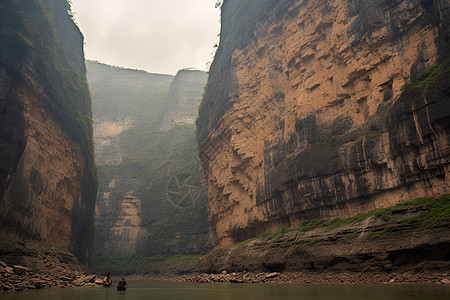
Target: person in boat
122,283
107,280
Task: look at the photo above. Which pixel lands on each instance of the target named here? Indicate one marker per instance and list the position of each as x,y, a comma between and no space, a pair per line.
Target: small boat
122,285
107,284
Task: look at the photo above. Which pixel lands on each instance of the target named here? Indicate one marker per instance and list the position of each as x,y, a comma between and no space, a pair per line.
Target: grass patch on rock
6,244
422,81
439,209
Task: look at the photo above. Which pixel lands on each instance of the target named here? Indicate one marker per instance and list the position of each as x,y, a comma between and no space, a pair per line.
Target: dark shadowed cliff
306,113
152,197
47,174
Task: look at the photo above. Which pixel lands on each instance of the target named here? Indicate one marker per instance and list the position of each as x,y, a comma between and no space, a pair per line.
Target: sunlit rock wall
302,115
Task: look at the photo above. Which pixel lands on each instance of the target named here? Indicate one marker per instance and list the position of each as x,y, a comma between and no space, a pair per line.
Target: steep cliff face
47,175
152,196
304,115
184,95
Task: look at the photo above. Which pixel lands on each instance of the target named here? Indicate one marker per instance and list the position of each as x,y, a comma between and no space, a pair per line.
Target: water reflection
168,291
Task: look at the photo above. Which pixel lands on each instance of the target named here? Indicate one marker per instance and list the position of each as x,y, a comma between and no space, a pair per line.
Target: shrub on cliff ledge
421,82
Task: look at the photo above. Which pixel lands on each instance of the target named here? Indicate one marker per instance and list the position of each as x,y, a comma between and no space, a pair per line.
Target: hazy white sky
159,36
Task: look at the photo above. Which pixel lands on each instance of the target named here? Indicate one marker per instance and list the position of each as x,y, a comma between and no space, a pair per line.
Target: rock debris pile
319,278
31,265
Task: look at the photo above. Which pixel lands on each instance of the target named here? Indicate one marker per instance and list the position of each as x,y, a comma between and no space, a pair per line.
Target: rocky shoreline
405,244
32,265
318,278
408,243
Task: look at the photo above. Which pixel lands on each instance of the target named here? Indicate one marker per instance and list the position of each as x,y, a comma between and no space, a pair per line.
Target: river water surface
145,289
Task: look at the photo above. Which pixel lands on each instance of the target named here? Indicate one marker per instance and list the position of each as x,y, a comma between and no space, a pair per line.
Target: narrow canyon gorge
315,150
152,196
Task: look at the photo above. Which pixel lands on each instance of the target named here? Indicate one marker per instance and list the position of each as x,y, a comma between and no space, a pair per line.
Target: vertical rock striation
152,195
304,115
47,174
124,101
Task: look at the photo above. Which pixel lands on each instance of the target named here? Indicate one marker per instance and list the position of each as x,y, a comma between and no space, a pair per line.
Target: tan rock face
126,230
317,65
106,138
47,172
47,182
308,131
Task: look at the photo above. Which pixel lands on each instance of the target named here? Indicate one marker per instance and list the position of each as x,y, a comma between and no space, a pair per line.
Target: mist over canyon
152,196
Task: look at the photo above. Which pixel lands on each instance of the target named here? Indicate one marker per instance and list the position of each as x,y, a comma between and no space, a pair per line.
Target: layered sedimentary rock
127,230
152,195
47,174
304,116
410,238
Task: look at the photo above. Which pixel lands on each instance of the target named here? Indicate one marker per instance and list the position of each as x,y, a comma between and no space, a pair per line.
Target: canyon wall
152,196
184,96
304,115
47,172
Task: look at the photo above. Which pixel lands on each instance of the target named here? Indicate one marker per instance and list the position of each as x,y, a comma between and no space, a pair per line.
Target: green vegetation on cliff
7,244
421,82
126,93
436,209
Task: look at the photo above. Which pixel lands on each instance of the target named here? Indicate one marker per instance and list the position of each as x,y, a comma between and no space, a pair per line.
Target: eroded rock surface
302,115
107,141
47,174
375,249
